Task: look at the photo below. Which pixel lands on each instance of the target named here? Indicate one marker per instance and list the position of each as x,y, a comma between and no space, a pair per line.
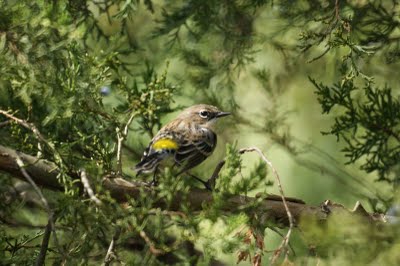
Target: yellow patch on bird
165,144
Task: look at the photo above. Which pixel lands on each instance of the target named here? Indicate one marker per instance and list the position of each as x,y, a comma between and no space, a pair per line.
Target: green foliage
367,117
16,247
353,241
152,100
99,78
232,181
368,124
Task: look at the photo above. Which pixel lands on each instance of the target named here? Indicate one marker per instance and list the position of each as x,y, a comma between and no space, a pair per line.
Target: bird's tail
148,164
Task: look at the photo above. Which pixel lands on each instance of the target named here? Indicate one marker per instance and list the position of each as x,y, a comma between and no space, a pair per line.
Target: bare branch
88,188
25,124
211,181
120,139
45,244
43,172
155,251
43,200
110,256
285,241
121,136
33,184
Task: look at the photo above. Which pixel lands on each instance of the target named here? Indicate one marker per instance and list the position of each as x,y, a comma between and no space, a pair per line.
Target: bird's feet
153,183
206,184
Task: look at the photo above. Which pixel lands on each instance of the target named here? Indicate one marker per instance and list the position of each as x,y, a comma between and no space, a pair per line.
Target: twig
15,246
285,241
4,123
42,198
110,256
319,56
27,125
45,244
121,136
169,213
24,124
155,251
36,132
211,181
110,253
120,139
337,10
88,188
281,235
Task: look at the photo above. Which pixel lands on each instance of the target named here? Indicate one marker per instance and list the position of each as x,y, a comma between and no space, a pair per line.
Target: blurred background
271,48
78,69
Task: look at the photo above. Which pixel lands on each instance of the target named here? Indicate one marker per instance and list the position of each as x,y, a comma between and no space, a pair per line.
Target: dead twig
285,241
155,251
88,188
45,204
121,136
281,235
110,256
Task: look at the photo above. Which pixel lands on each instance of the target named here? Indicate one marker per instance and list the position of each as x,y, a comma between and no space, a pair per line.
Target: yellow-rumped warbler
188,140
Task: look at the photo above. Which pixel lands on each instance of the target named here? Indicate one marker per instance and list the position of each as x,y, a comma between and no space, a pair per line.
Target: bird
185,142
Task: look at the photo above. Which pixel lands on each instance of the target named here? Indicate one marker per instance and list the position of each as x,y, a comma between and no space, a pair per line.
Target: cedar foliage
80,70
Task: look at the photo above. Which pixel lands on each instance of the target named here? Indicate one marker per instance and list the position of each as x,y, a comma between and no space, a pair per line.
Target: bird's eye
204,114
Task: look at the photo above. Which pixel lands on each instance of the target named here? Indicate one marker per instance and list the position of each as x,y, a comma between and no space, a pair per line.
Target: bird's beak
222,114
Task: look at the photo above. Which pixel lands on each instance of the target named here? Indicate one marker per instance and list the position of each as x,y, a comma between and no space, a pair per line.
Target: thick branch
43,172
270,209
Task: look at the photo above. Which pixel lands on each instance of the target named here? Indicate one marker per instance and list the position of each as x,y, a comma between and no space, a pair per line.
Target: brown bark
269,209
43,172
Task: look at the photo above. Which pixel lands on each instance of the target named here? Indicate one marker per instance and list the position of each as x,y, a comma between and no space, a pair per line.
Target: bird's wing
193,152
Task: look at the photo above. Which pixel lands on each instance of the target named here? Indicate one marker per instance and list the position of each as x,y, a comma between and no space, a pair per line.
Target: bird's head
202,114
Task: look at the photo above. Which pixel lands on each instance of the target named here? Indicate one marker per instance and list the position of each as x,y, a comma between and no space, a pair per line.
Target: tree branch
110,256
270,208
285,241
36,133
43,172
45,244
88,188
50,213
121,136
